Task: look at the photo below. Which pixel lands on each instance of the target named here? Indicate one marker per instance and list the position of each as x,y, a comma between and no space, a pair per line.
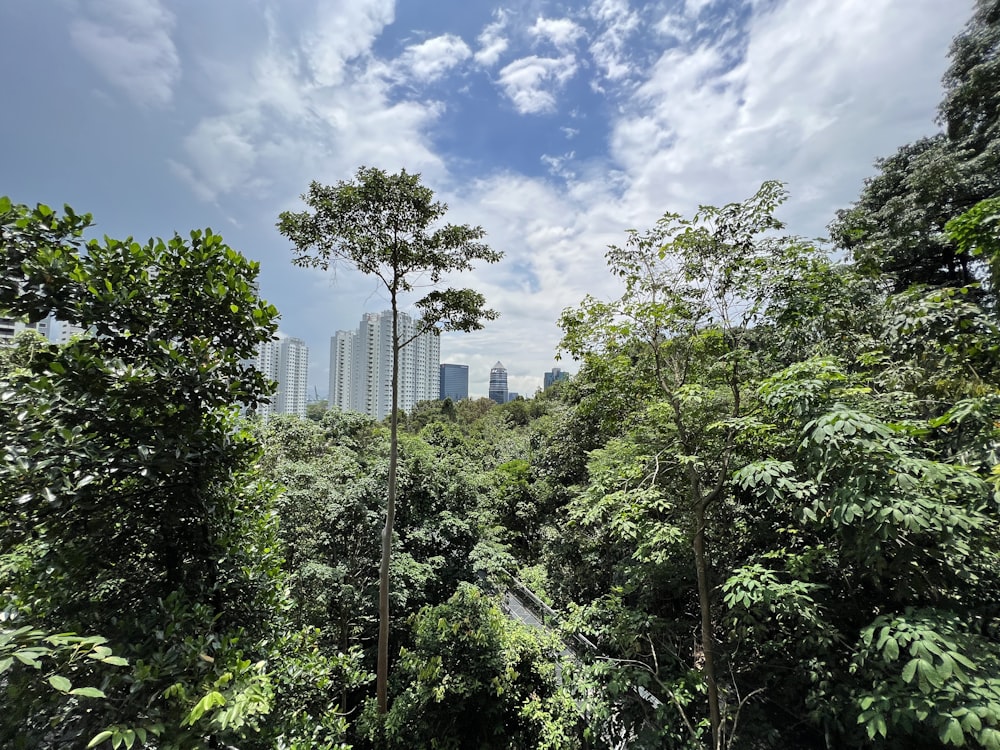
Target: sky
556,126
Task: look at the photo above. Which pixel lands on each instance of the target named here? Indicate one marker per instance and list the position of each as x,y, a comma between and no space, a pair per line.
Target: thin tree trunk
707,630
382,671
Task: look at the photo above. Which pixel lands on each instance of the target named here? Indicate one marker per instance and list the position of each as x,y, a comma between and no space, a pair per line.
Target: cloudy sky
554,125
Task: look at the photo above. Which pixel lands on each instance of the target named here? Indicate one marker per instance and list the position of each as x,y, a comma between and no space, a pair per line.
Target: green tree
870,612
316,409
694,291
473,678
128,502
897,225
970,110
977,233
388,226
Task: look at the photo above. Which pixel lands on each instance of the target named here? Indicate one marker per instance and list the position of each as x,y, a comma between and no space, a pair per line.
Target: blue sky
555,126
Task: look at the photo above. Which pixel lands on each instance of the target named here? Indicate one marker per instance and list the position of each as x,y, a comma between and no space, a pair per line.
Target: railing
543,611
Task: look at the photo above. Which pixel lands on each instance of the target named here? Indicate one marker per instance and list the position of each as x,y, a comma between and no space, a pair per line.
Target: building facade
285,361
361,366
498,383
10,327
454,382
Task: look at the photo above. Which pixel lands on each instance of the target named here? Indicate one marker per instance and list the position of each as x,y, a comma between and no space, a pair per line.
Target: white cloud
554,240
222,156
559,165
693,8
129,43
815,81
492,42
343,31
313,108
617,23
817,96
429,60
532,82
561,32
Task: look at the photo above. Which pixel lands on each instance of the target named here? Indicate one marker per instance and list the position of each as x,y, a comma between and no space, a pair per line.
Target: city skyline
556,127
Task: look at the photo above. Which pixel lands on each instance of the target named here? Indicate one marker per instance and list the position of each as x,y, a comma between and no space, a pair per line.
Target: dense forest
765,513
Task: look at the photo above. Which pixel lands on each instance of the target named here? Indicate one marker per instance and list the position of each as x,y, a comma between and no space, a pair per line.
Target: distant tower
454,382
498,383
554,377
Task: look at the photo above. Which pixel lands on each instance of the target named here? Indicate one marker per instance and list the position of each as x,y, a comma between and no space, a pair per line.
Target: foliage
384,226
970,110
474,679
897,227
977,233
876,522
129,503
694,290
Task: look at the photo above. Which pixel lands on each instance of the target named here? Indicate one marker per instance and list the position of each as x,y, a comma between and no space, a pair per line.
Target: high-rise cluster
361,366
10,327
551,378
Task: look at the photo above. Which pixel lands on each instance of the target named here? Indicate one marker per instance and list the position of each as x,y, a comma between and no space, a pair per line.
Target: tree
970,110
897,225
128,502
387,226
474,678
694,291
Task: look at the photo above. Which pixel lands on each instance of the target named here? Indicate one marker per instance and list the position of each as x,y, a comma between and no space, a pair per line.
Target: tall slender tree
389,227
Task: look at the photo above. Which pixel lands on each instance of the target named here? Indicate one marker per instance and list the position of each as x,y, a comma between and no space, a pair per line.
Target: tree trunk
382,670
707,630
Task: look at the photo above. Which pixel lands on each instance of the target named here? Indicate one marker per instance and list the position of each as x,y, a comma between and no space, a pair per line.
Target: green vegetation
383,225
764,514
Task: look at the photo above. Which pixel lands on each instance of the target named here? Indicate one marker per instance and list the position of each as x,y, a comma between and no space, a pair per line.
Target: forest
765,512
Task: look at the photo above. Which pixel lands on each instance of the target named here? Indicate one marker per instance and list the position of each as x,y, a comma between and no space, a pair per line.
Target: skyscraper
287,362
361,366
554,377
343,367
498,383
454,382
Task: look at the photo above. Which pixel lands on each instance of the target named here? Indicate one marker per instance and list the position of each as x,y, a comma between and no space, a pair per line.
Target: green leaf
88,692
891,649
99,738
60,683
910,670
27,659
951,733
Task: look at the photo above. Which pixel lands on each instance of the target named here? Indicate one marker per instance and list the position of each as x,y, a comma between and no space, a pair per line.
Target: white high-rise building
343,365
287,362
361,366
10,327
